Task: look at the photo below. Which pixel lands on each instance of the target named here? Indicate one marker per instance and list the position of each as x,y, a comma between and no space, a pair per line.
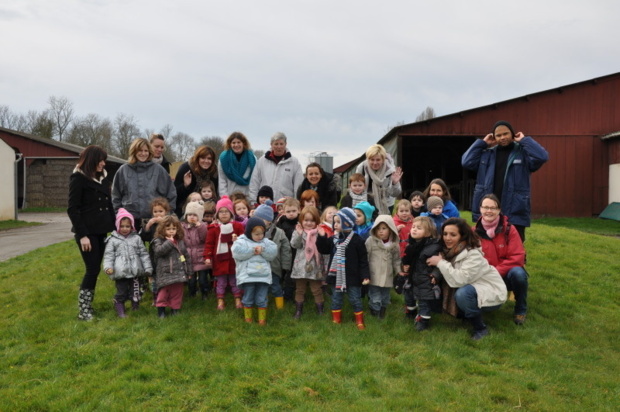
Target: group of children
283,249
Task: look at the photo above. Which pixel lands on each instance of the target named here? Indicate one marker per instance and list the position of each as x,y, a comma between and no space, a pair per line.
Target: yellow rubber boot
279,302
262,316
247,314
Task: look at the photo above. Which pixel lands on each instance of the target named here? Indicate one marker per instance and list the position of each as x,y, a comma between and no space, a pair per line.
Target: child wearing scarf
308,265
220,236
348,268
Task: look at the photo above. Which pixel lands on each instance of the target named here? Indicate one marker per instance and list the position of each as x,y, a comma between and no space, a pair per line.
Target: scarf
239,169
379,187
310,249
490,227
450,254
355,199
338,266
225,237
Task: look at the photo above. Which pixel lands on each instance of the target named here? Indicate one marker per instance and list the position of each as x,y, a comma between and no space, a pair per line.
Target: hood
389,221
367,209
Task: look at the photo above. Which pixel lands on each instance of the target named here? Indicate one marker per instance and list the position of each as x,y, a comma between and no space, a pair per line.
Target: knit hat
367,209
347,218
195,208
433,202
252,223
225,203
265,211
122,214
265,191
503,123
281,200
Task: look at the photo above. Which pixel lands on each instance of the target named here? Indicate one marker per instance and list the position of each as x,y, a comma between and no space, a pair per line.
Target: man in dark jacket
504,161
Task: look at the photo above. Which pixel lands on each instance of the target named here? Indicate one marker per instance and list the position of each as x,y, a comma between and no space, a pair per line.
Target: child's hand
234,237
402,274
258,250
321,231
208,262
299,229
433,280
171,238
365,281
399,227
109,271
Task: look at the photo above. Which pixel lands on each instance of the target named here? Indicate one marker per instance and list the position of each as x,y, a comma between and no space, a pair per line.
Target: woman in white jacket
479,286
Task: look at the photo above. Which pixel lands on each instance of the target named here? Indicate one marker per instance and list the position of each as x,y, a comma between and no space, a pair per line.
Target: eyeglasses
489,208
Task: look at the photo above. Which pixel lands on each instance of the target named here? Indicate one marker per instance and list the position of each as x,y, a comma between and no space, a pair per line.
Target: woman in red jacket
503,249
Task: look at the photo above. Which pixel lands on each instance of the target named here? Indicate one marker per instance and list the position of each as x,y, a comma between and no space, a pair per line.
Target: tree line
60,122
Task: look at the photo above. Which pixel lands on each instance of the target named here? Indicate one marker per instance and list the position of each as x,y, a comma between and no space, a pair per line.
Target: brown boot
220,304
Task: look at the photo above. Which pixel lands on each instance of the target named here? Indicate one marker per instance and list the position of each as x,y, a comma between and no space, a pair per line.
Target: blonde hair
290,202
376,150
403,202
136,146
325,211
427,224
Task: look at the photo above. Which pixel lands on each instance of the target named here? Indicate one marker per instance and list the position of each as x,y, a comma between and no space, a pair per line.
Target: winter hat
122,214
195,208
367,209
225,203
347,218
503,123
252,223
433,202
265,211
281,201
265,191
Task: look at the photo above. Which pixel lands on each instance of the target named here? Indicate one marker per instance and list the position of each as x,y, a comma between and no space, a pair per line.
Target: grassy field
566,357
14,224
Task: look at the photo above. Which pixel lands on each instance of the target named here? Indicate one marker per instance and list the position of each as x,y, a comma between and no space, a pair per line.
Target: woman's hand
434,260
397,175
187,178
85,244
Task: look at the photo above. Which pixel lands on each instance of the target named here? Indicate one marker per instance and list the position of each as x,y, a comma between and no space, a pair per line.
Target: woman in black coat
323,183
92,216
191,174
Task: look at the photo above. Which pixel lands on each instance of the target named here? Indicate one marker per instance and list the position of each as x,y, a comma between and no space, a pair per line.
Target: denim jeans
425,308
254,293
516,280
355,298
378,297
409,298
467,301
276,287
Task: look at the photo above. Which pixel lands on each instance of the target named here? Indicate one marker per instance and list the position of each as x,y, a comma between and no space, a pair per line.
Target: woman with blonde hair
382,178
139,181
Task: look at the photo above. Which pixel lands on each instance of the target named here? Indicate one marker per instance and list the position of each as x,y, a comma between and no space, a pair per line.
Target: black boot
161,312
320,308
421,323
374,313
382,313
480,329
299,306
174,312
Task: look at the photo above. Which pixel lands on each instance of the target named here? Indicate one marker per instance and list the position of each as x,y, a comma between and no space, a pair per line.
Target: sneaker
519,320
421,323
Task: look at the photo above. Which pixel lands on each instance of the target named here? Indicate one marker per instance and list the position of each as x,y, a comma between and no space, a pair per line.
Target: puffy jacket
170,267
127,256
419,271
526,157
505,251
302,268
471,268
383,260
136,185
283,177
223,263
195,237
251,267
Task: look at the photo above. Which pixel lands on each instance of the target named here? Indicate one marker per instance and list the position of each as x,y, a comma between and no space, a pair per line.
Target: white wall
614,183
7,188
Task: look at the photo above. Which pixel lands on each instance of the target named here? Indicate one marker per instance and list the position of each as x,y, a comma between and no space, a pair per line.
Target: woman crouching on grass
480,288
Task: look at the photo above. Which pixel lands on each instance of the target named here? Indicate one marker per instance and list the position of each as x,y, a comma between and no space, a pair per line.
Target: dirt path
56,228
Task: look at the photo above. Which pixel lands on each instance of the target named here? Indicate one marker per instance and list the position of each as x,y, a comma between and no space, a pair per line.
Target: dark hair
468,236
169,220
89,159
318,166
203,151
209,183
160,201
419,194
493,198
157,136
446,192
237,135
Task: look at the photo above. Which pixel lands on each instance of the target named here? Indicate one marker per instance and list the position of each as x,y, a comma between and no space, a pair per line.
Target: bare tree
125,130
428,113
166,131
259,153
387,130
91,129
39,124
147,133
8,119
61,111
180,147
214,142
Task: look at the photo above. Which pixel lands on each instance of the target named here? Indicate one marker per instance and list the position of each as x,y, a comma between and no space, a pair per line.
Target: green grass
597,226
13,224
566,357
43,210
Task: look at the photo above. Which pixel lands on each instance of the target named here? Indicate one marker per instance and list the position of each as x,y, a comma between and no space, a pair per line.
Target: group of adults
503,160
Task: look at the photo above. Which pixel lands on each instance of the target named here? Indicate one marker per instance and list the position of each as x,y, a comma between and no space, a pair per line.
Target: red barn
578,124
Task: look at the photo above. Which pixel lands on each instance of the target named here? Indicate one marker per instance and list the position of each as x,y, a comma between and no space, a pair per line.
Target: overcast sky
334,76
